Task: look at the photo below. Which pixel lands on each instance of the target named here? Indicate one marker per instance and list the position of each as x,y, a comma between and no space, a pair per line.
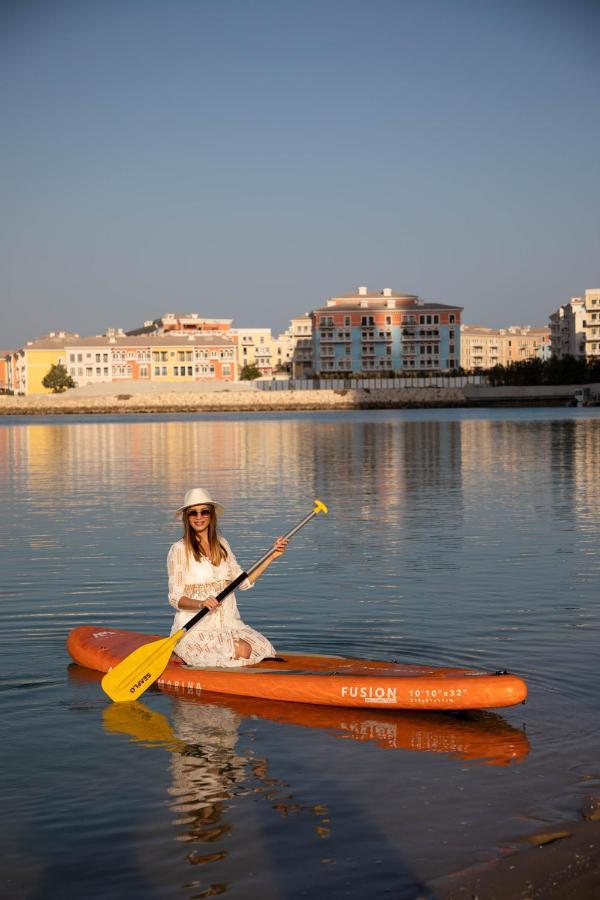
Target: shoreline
561,863
227,401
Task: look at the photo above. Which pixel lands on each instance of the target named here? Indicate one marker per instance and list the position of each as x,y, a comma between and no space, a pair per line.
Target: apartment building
484,348
383,331
575,327
163,358
254,347
28,366
567,329
591,302
181,323
301,363
5,360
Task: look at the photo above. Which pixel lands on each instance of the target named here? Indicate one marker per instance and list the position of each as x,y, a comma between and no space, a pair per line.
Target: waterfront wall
119,399
234,401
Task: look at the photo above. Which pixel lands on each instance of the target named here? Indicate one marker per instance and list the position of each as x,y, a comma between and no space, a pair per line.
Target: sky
251,158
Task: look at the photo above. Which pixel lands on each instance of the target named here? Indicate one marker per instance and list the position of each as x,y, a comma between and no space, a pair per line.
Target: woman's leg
243,650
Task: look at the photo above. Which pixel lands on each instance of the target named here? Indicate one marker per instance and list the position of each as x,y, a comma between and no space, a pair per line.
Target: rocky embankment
231,401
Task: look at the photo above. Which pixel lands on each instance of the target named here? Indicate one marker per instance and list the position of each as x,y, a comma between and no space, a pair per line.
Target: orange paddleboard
321,680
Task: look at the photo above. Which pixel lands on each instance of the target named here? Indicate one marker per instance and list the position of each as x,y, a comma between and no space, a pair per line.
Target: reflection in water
476,736
208,773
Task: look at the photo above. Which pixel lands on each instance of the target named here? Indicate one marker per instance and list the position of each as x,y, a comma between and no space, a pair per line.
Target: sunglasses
199,512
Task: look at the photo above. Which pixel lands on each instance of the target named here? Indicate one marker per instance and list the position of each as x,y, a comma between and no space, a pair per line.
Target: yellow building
484,348
192,357
32,362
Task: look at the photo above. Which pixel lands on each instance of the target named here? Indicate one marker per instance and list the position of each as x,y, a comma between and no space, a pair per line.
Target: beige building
301,331
293,348
575,327
255,347
484,348
591,302
567,329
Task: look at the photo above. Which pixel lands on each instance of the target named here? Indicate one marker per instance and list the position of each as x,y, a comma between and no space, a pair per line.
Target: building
181,323
29,365
484,348
254,347
114,356
117,356
193,357
591,302
5,364
381,332
567,329
292,349
301,331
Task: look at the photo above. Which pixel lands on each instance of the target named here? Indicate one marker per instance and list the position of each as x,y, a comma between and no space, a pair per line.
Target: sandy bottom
562,863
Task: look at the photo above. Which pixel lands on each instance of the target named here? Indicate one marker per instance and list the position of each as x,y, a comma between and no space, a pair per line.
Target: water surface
455,537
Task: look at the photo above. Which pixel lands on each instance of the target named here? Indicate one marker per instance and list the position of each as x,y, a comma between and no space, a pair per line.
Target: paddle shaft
243,575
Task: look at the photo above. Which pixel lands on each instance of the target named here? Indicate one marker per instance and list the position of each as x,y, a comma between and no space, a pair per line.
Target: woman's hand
279,547
209,603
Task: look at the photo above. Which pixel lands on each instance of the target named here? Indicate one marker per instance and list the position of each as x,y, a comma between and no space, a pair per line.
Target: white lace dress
211,642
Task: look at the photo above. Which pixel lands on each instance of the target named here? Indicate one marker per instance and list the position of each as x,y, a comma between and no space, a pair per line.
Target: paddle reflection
476,736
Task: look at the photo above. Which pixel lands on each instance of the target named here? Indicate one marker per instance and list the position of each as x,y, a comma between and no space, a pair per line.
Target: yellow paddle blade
320,507
140,723
134,675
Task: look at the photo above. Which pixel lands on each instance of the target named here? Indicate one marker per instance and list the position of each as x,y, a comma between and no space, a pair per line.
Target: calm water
468,538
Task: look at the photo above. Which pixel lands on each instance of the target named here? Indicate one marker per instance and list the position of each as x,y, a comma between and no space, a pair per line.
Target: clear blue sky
250,158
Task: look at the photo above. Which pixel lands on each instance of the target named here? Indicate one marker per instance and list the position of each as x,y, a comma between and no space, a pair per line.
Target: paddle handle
224,593
318,508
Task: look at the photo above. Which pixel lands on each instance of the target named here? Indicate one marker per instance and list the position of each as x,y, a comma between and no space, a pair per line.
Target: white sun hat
195,496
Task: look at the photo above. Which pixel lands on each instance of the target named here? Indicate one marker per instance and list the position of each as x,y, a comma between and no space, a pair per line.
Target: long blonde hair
217,552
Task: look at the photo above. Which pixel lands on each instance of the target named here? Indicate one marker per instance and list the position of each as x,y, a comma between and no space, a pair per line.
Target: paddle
134,674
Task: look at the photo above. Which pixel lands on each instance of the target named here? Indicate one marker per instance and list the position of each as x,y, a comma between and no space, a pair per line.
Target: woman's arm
279,548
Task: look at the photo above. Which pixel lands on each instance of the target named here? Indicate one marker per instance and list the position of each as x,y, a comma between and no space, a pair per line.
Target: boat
319,680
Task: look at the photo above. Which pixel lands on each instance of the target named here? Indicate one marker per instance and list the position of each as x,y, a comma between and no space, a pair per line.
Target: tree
249,372
58,379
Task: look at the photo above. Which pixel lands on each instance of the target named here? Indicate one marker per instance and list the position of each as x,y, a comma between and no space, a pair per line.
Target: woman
200,565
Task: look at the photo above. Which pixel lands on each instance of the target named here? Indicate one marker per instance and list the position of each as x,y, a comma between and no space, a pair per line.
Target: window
347,321
189,370
79,358
451,318
367,321
98,370
226,369
388,320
